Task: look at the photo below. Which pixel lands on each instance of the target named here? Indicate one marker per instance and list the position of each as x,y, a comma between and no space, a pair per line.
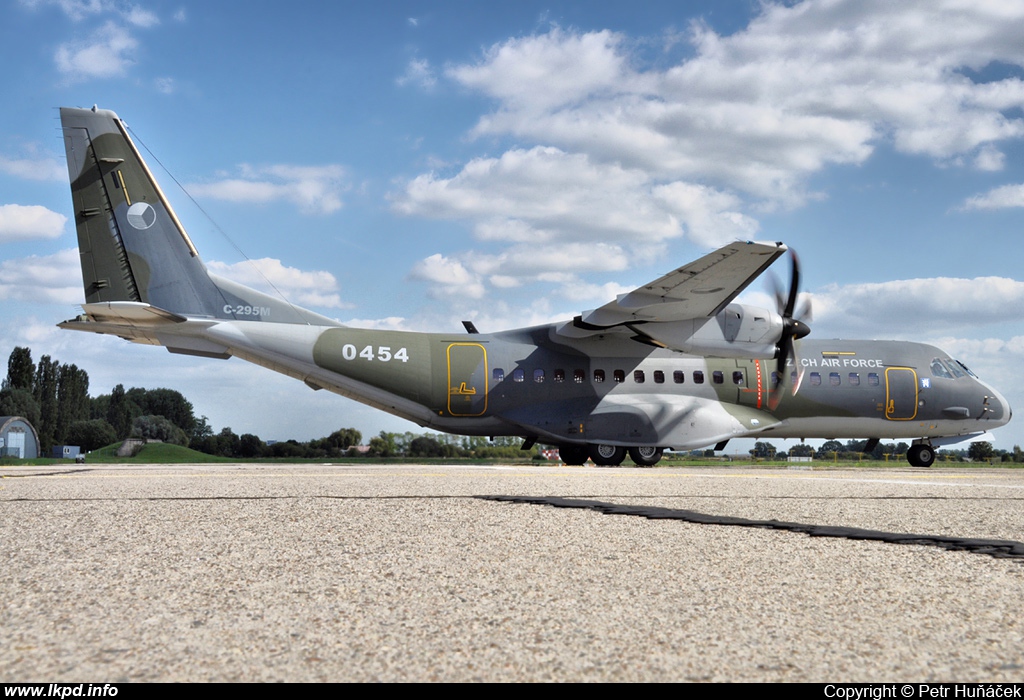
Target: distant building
66,451
18,438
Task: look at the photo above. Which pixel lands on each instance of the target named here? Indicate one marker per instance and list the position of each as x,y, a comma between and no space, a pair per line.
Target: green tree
21,371
250,446
384,445
120,413
168,403
158,428
980,451
200,432
45,391
801,450
828,447
72,399
19,402
90,434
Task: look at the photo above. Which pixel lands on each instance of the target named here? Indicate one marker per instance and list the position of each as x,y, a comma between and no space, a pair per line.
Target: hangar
18,438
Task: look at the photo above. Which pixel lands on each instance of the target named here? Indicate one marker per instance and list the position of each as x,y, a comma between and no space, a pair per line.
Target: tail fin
133,248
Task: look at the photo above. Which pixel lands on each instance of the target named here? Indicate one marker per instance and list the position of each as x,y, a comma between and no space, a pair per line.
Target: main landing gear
609,455
921,455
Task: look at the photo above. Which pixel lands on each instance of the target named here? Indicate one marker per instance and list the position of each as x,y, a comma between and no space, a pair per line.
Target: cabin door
900,393
467,379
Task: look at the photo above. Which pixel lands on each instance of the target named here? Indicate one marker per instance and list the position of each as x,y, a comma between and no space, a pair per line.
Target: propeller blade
794,327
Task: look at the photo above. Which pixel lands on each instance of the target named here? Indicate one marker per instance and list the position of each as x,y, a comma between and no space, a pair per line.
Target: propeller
794,326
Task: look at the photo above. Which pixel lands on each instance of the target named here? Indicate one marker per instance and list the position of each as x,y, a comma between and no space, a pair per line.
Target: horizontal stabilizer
130,313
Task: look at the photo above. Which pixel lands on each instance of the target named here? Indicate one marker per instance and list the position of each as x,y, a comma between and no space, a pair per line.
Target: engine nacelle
738,331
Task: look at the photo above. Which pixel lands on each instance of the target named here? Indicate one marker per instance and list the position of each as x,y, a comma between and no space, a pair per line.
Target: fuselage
611,389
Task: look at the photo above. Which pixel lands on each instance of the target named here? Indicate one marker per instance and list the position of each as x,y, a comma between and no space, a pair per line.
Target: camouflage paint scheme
145,282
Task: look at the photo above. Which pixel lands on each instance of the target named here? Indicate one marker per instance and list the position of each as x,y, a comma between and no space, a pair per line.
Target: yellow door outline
895,403
467,386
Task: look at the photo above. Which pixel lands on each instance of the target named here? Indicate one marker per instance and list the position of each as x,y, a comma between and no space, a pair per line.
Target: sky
410,164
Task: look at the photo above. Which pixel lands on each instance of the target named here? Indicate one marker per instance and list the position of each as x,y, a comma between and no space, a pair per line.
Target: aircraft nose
997,408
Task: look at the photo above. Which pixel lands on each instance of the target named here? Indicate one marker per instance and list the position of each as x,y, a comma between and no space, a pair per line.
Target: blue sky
410,164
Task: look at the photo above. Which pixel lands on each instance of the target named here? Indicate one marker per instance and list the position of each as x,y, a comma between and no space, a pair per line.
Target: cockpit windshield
948,368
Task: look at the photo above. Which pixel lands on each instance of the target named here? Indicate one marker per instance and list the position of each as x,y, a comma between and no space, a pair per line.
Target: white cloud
539,73
270,275
999,198
141,17
735,113
107,54
391,323
19,223
909,307
561,211
164,85
448,277
314,189
547,195
617,150
418,73
51,279
78,10
990,159
44,169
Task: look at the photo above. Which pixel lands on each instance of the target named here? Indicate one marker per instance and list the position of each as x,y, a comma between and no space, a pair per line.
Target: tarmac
406,573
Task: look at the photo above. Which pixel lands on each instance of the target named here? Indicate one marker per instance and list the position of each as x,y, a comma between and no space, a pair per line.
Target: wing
698,290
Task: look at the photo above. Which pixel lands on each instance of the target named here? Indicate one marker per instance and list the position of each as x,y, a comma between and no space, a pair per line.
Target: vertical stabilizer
133,248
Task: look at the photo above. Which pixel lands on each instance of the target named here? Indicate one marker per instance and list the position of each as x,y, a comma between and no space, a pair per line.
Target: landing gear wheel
921,455
607,455
645,456
573,455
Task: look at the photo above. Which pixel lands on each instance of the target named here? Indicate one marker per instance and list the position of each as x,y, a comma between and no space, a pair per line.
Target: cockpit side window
939,369
965,368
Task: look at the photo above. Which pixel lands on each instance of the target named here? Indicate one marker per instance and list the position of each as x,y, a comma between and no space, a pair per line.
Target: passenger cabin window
679,376
659,377
618,376
498,374
815,378
833,378
737,378
872,379
578,376
598,376
854,379
717,377
638,376
518,374
558,376
538,375
698,377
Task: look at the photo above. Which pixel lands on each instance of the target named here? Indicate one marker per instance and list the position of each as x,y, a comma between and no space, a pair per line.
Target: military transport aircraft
674,364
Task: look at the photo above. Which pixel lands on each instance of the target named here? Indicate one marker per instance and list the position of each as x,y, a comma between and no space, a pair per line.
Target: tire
573,455
645,456
607,455
921,455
